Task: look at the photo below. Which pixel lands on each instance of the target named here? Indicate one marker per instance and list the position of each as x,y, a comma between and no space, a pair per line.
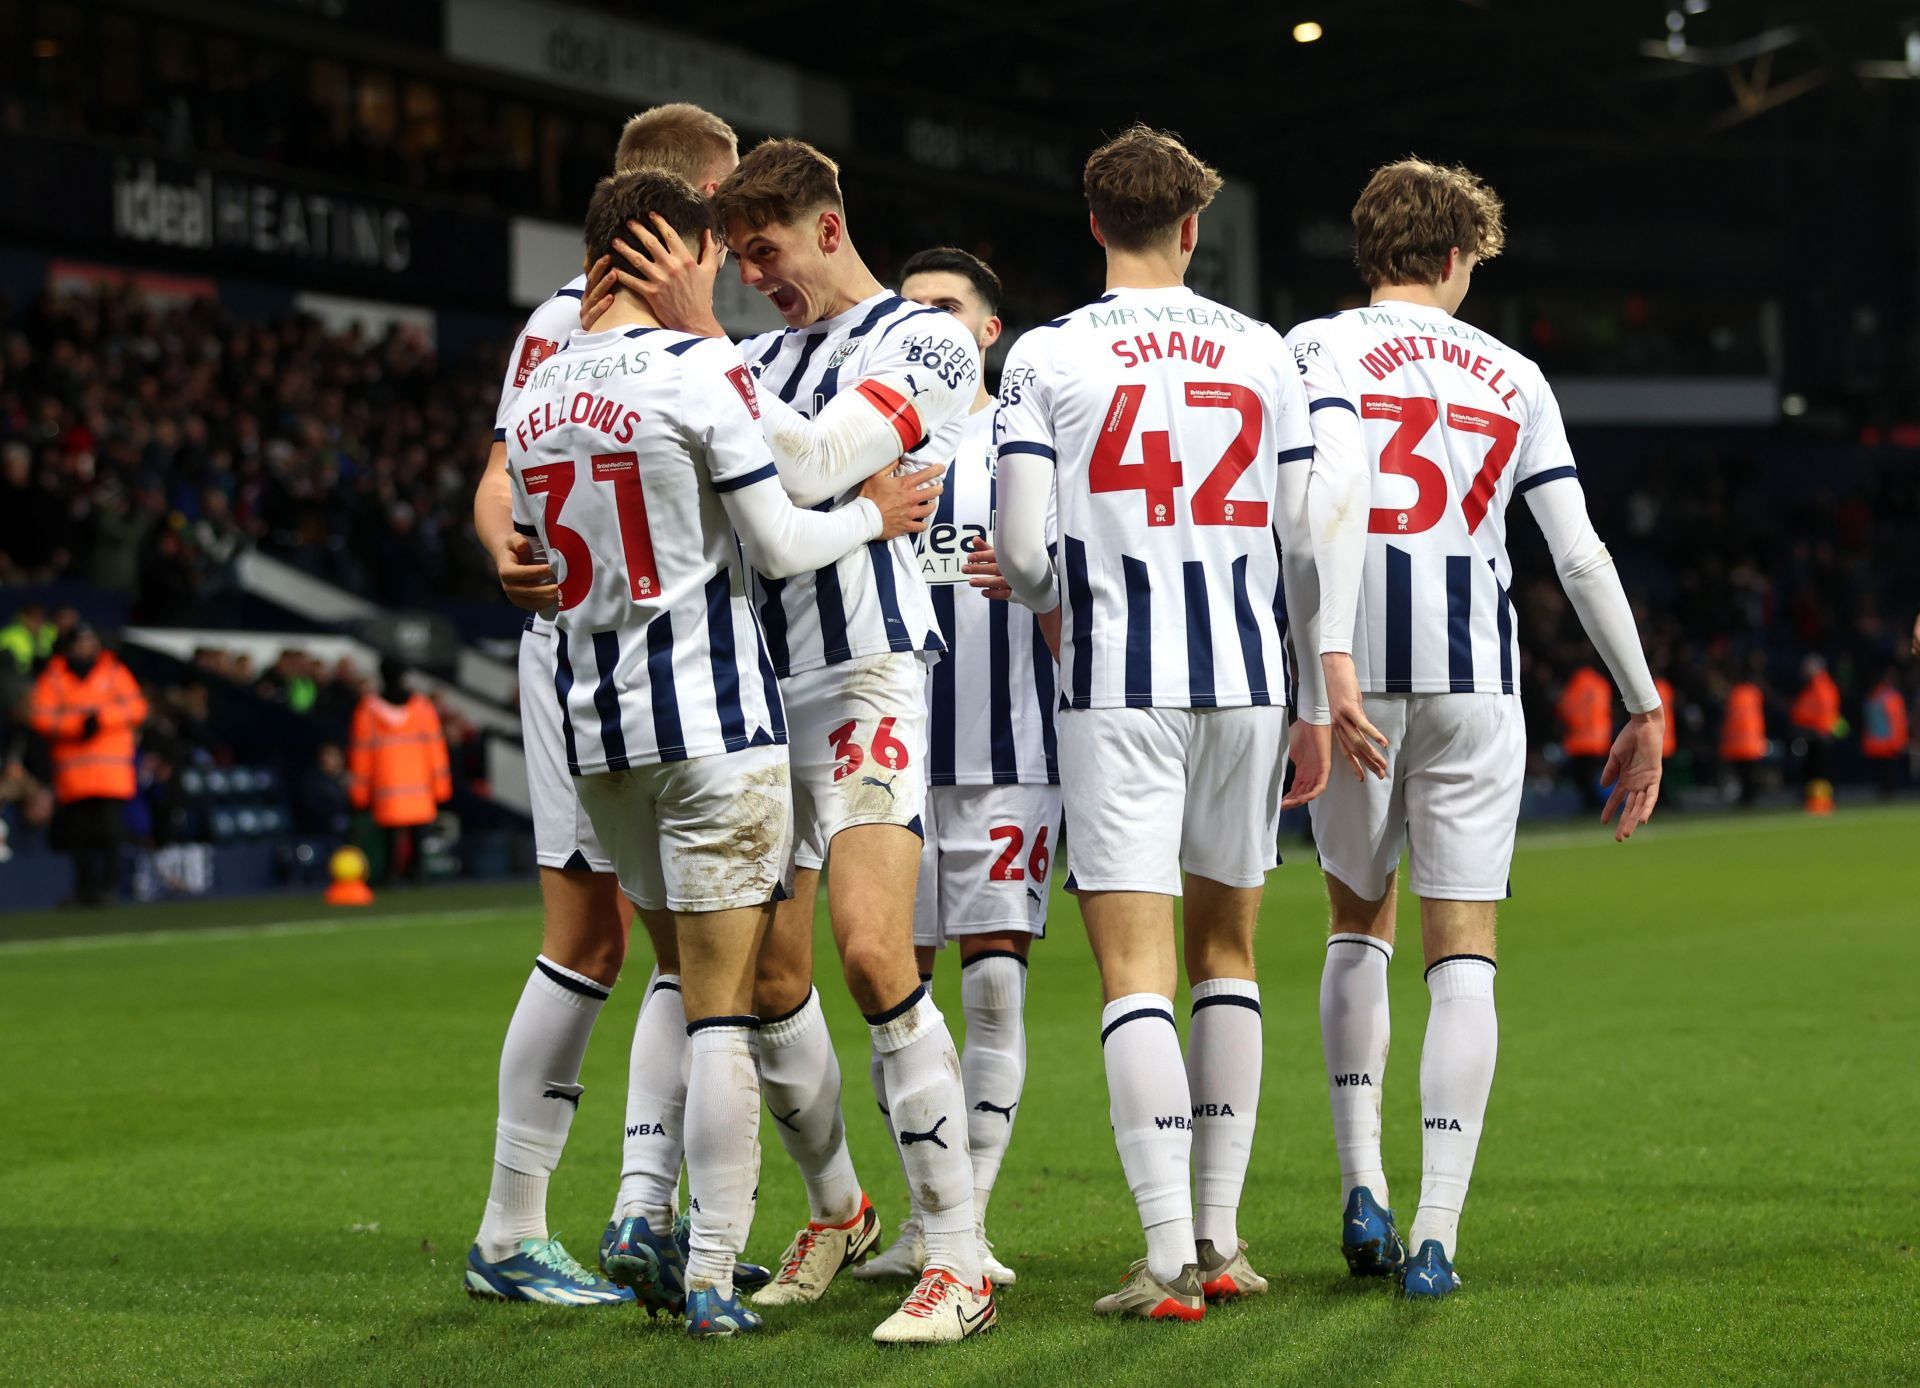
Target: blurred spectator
89,708
1670,738
28,638
1585,712
1743,736
26,807
1884,731
323,798
1816,718
398,760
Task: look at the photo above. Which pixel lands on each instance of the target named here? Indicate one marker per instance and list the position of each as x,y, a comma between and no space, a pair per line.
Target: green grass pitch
258,1155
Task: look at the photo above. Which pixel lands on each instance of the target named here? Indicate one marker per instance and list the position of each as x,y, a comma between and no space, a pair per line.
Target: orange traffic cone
349,869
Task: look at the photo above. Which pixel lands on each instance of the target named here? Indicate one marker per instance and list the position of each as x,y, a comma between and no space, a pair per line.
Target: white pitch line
268,930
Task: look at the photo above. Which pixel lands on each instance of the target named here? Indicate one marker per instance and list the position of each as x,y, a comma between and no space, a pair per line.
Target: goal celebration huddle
820,609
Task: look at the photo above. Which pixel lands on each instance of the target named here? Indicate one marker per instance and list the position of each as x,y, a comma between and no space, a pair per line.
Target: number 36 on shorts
886,750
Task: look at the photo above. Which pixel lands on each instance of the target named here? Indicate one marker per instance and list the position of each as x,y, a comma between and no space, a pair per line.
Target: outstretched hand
1633,770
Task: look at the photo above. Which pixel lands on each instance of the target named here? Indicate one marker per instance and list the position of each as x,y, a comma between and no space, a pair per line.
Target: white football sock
1152,1112
993,1065
1223,1074
539,1094
929,1123
877,1076
800,1080
1456,1075
723,1147
1355,1026
656,1104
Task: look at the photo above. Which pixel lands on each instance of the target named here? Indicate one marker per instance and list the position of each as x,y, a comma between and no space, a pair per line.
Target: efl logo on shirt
743,382
532,353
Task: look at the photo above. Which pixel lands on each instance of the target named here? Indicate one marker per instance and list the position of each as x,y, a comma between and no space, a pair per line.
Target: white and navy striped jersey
1453,424
872,601
990,698
619,447
546,331
1168,418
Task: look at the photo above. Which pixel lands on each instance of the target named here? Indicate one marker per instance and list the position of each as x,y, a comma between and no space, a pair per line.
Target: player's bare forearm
493,501
1050,630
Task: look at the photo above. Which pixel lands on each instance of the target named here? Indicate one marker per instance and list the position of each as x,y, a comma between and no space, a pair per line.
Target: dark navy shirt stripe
942,734
606,696
1006,761
830,381
880,554
724,661
807,349
773,621
1252,648
1287,672
1043,691
666,702
1139,631
1503,618
903,317
569,293
563,690
1294,455
747,479
1459,624
1399,621
682,348
527,530
1080,608
1199,636
1552,474
773,349
832,603
1327,402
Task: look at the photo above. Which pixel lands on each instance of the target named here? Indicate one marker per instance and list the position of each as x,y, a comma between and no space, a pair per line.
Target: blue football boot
540,1271
1430,1275
652,1265
747,1277
1368,1238
711,1316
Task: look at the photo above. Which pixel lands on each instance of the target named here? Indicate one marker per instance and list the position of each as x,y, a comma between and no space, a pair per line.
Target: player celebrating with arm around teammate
1172,434
636,453
1426,429
992,819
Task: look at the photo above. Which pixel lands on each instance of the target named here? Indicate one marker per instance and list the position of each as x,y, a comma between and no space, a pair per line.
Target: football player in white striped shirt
992,820
633,449
585,935
1171,432
860,380
1426,428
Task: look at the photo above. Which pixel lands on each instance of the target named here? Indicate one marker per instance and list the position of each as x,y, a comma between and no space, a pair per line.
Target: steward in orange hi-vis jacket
1585,712
89,708
397,764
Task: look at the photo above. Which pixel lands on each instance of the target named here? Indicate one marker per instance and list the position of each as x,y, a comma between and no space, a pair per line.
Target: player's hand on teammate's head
1361,744
675,281
982,568
1633,771
906,500
528,585
598,295
1310,750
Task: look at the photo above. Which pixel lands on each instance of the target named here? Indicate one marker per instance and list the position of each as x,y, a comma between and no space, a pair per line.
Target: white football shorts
1151,792
986,862
563,836
857,737
1455,767
705,834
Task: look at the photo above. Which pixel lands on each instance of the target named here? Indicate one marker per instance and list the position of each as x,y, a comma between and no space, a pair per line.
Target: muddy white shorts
986,862
563,836
1151,792
705,834
857,736
1455,767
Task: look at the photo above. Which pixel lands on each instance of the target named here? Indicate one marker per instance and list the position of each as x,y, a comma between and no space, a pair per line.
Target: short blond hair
1412,213
1142,184
679,137
778,181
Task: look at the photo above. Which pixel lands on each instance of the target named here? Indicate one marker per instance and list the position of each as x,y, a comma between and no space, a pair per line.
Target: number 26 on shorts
1006,868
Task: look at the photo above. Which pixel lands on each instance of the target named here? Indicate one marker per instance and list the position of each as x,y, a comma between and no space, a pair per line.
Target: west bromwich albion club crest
841,353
